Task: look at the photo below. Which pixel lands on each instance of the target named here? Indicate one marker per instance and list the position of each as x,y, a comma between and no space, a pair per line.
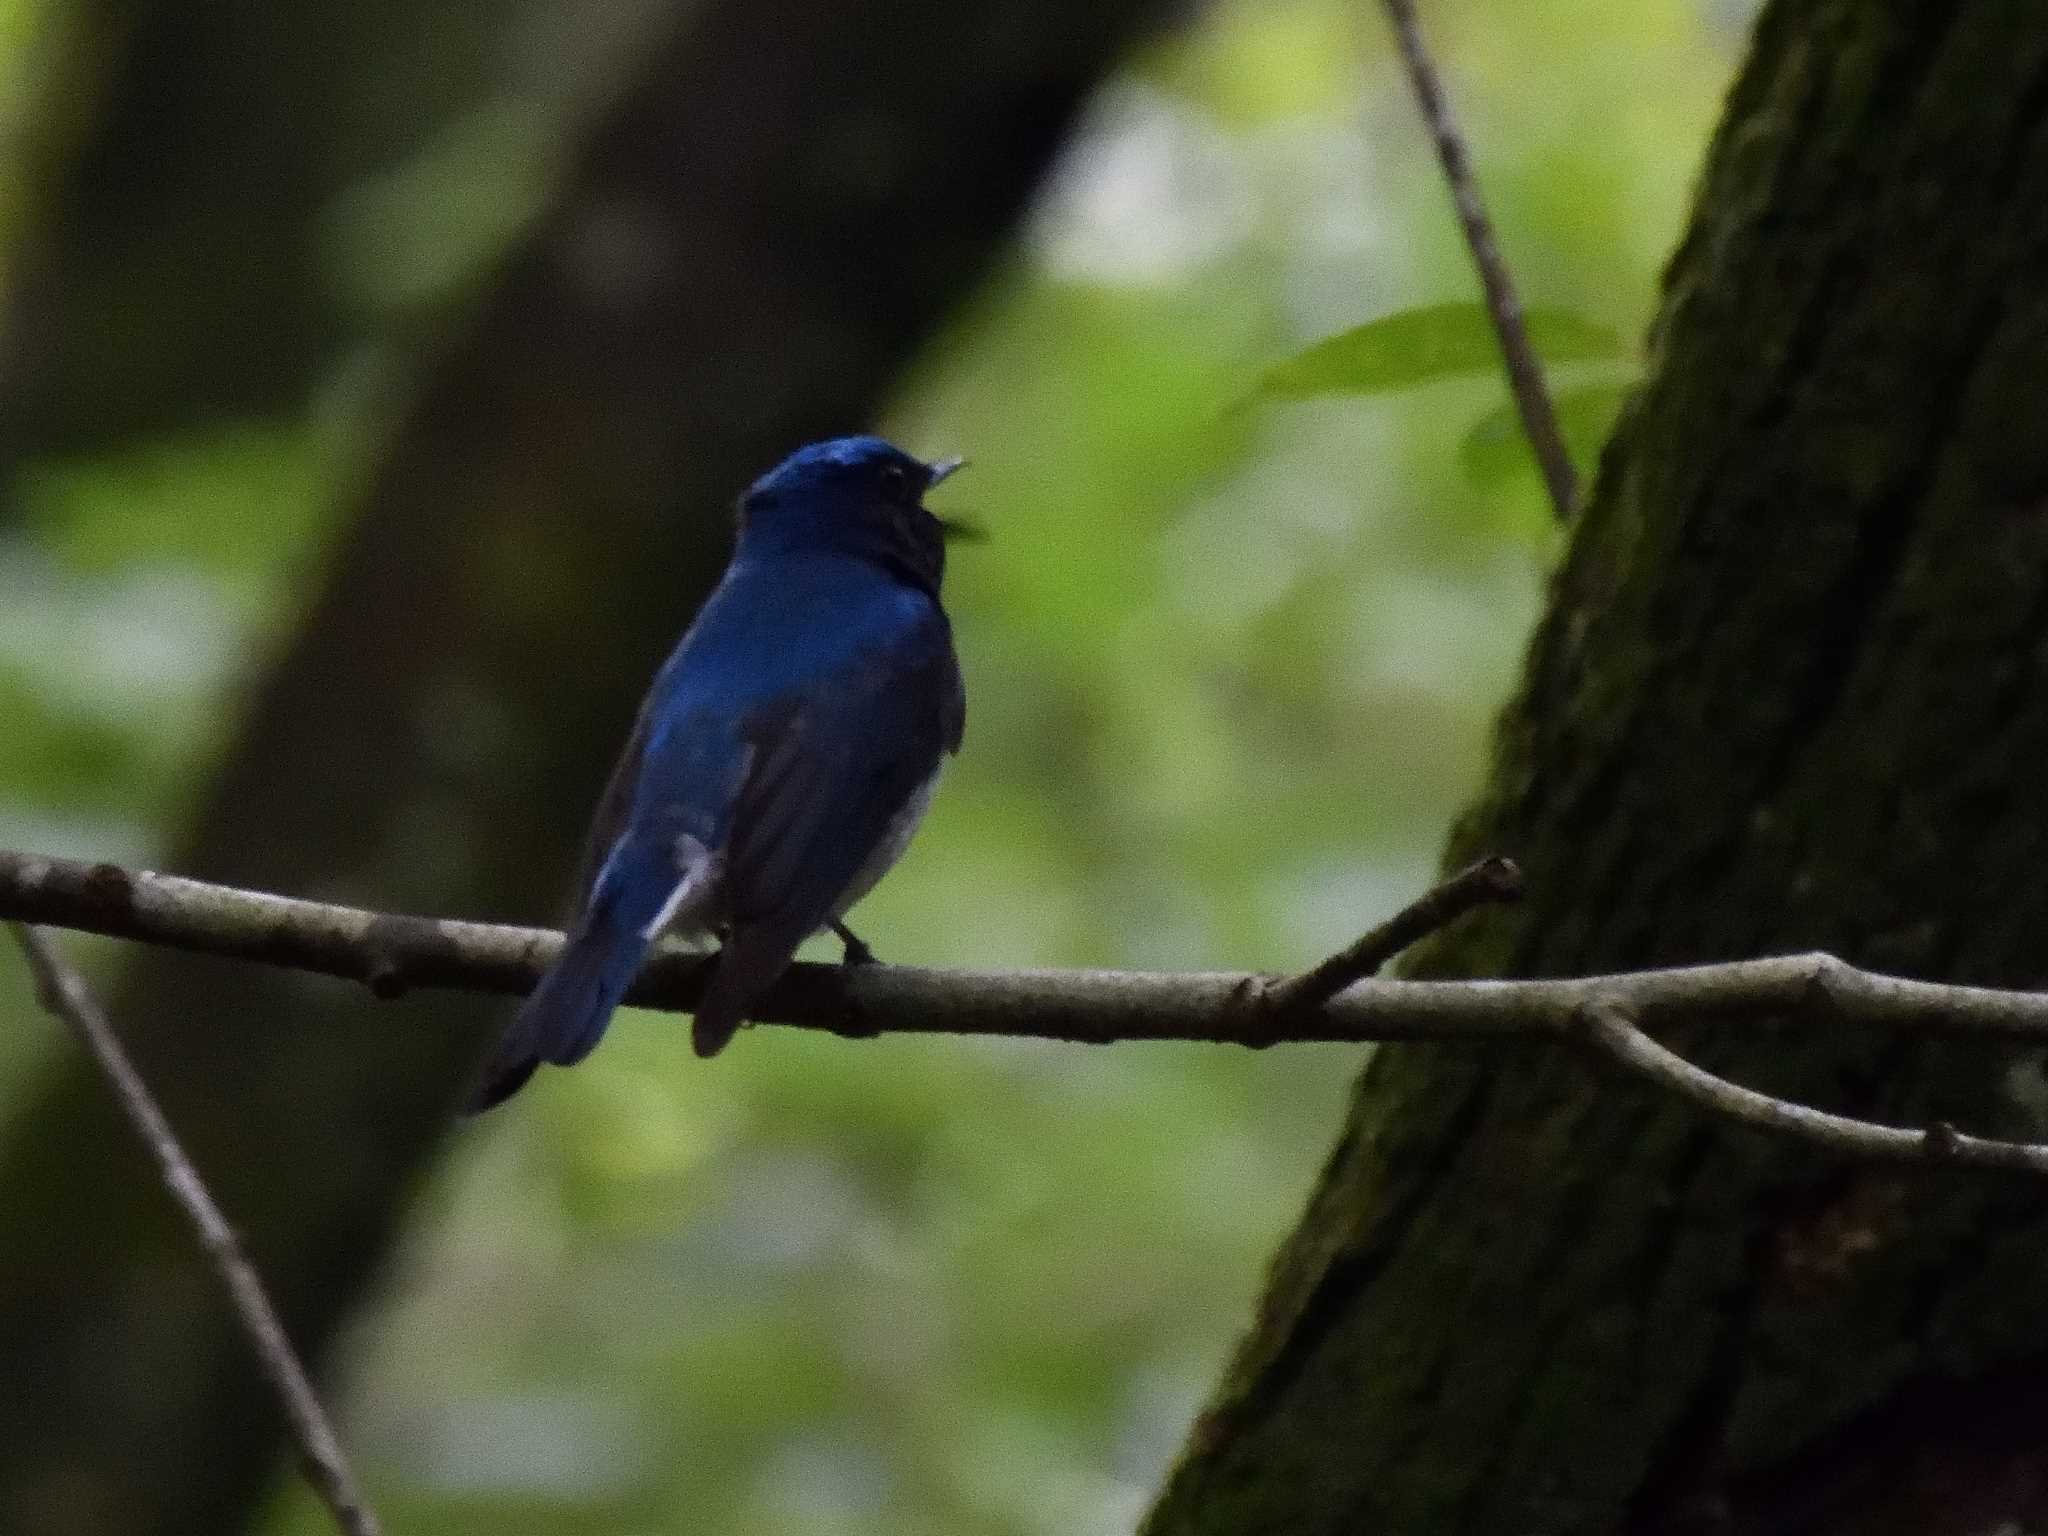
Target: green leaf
1495,448
1426,345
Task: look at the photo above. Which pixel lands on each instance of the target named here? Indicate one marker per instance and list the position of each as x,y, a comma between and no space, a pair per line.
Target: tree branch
1490,880
390,954
65,994
1609,1026
1525,372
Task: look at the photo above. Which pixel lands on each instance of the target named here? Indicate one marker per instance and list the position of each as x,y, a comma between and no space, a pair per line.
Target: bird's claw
857,951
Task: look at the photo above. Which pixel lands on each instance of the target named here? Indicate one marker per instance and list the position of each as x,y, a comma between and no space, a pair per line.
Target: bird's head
856,494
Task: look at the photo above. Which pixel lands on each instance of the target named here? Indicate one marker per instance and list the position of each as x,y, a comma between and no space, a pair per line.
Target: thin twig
1488,881
1525,372
64,993
1611,1028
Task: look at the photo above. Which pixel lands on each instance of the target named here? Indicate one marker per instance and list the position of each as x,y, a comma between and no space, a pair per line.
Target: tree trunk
795,193
1791,692
179,264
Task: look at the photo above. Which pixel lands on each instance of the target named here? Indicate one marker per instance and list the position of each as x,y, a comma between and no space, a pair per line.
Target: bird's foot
857,951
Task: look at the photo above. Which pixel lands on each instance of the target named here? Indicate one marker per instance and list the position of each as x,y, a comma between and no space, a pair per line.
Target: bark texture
792,195
1791,692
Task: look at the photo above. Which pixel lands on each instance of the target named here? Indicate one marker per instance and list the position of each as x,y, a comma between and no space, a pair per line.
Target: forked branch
391,954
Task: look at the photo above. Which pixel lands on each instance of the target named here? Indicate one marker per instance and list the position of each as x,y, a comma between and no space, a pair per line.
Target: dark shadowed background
374,384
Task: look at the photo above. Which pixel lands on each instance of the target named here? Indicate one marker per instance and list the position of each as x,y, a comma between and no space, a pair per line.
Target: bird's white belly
696,907
902,827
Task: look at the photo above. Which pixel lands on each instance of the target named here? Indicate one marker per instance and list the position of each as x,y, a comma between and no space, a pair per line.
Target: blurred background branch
744,248
1503,304
67,996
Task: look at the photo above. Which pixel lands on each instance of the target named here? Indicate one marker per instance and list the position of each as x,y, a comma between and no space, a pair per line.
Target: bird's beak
955,530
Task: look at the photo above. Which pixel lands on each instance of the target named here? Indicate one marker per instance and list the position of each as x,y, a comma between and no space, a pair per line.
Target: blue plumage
782,758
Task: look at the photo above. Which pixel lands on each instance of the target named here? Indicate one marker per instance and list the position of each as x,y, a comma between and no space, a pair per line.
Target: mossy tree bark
1791,692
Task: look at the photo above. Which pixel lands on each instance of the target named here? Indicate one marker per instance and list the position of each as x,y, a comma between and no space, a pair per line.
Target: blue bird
782,759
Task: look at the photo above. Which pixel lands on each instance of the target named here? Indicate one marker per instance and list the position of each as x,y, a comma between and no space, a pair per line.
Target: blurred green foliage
1230,673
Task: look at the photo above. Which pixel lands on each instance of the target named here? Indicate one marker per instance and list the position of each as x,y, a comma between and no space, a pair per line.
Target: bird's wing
623,788
831,769
672,781
829,772
613,806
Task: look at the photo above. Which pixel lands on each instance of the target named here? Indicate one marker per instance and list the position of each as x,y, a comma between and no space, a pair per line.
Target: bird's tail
565,1016
747,965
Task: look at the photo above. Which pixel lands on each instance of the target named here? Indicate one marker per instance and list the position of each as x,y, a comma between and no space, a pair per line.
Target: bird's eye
895,482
